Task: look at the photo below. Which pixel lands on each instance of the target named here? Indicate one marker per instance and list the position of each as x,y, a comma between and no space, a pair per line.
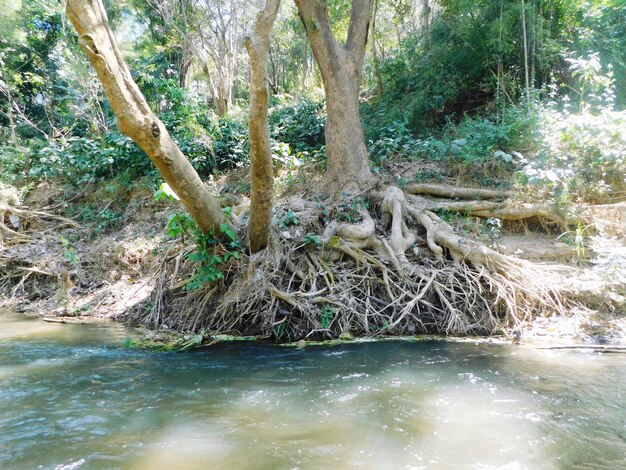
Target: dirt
83,270
536,247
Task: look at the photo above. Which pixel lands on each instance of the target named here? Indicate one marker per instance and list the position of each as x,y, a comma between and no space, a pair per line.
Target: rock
301,344
346,336
9,195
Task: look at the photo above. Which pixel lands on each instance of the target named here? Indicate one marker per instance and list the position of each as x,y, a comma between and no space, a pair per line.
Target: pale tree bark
341,67
261,170
134,117
217,29
525,37
425,17
375,61
10,115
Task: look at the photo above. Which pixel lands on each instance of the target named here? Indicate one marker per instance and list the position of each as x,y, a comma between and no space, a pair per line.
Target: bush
581,157
13,164
473,141
300,125
209,143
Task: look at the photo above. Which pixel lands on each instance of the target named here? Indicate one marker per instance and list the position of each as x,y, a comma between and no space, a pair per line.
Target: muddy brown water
72,397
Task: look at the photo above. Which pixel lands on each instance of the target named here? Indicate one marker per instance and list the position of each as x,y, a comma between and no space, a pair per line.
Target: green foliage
30,64
393,140
596,29
301,125
427,79
576,238
428,176
473,59
350,207
579,156
13,164
101,220
107,220
210,254
69,252
327,315
476,139
222,144
289,219
478,147
77,159
324,212
312,241
231,144
450,95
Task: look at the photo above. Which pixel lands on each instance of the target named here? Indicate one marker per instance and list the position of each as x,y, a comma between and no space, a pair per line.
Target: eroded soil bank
100,253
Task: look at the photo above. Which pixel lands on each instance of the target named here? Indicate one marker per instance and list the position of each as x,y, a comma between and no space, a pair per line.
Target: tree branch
327,51
357,32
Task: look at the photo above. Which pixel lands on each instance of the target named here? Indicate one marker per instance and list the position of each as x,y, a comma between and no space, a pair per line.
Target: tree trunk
261,169
348,159
425,18
12,125
223,101
375,61
134,117
525,37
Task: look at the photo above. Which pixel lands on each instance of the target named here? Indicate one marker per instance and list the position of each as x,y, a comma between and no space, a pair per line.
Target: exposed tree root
18,225
366,278
499,210
439,190
21,274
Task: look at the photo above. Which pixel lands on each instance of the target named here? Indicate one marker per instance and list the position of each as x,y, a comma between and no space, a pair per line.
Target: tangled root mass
409,273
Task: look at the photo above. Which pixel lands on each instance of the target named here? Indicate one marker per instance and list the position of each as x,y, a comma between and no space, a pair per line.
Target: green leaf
225,229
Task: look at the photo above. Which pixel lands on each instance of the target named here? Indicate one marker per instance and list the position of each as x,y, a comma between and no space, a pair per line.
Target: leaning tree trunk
261,170
348,159
134,117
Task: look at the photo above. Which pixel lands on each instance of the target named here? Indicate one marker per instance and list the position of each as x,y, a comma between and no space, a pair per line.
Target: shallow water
72,397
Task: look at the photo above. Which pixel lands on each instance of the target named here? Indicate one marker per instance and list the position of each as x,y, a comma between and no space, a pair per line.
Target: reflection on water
72,397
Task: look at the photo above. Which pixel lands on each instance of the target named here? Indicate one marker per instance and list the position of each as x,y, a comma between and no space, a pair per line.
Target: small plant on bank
576,238
428,176
327,315
312,241
349,210
210,253
290,219
69,252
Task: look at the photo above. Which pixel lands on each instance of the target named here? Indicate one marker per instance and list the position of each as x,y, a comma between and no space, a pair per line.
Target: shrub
581,157
300,125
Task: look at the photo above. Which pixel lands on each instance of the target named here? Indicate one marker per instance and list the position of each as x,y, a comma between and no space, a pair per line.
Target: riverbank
100,253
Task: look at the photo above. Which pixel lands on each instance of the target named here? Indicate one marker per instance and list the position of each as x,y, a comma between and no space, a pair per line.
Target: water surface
72,397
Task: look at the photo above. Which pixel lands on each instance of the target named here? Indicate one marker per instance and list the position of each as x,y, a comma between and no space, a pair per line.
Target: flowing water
72,397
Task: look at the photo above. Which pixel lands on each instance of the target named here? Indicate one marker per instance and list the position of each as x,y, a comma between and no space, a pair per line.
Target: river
71,396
